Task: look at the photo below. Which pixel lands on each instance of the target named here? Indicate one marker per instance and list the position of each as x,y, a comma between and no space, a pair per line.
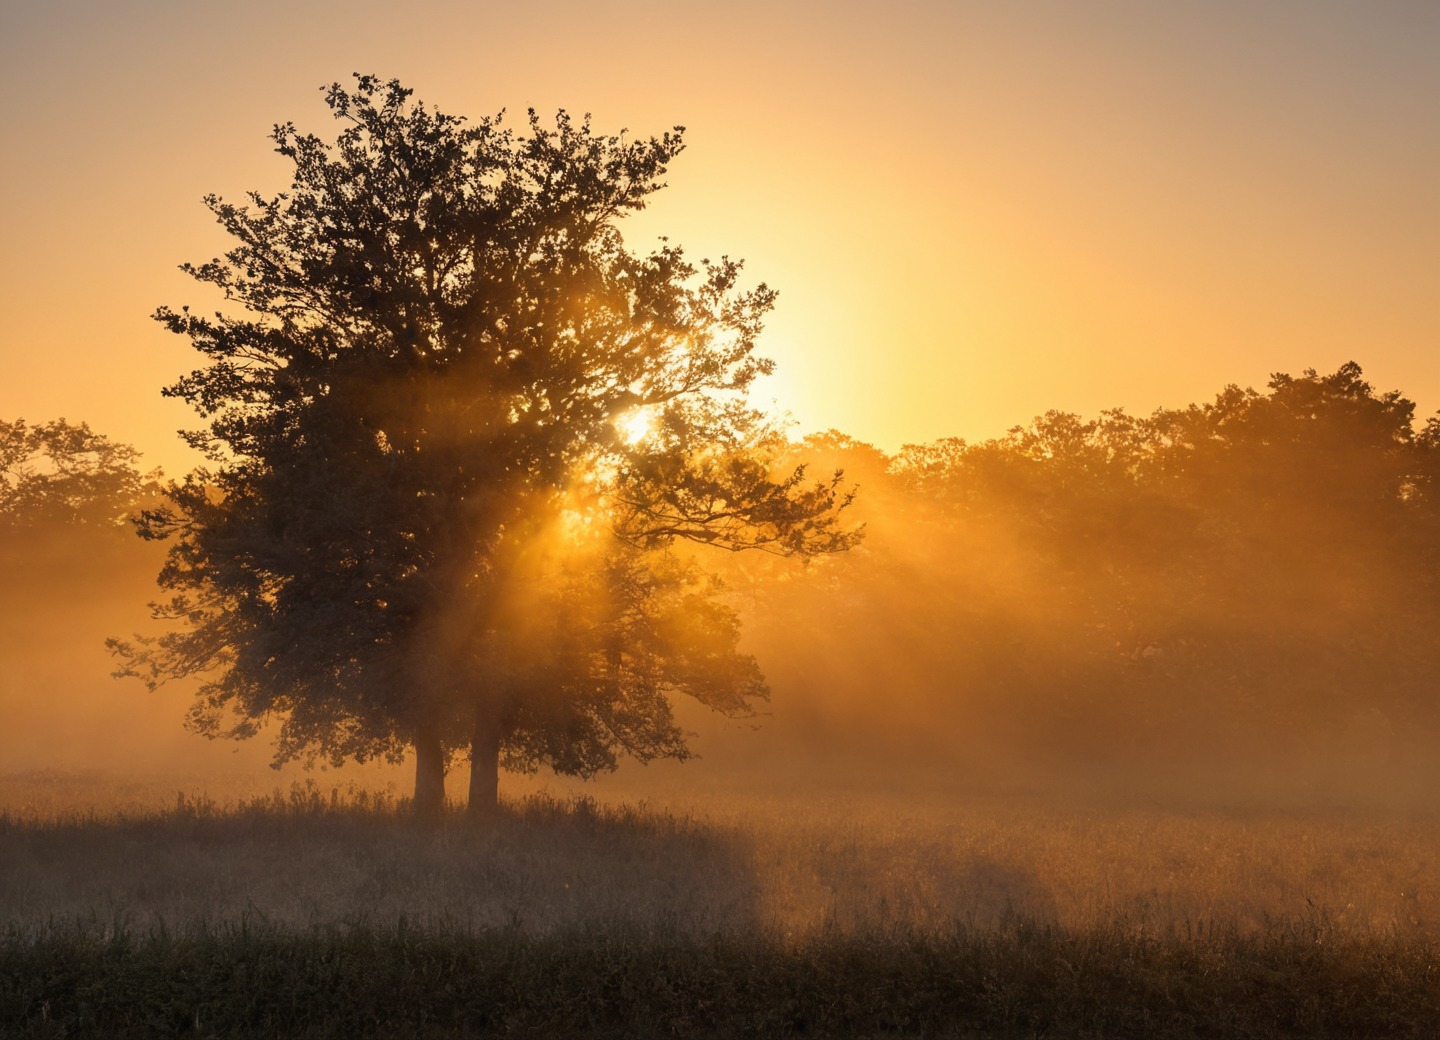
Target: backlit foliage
440,337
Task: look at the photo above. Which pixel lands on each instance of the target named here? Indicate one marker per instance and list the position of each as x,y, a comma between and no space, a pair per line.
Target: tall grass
330,913
1019,980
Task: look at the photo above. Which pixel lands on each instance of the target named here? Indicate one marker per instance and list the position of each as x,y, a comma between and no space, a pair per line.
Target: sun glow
635,426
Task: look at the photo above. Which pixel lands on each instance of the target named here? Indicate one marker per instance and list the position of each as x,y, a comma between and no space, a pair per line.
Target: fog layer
1234,601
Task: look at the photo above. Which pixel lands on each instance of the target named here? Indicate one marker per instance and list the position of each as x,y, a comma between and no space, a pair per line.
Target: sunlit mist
738,519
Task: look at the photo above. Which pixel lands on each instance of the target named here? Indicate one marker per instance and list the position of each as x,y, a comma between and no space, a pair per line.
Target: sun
636,425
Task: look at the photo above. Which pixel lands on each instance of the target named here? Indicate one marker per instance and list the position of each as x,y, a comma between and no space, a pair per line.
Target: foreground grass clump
1019,981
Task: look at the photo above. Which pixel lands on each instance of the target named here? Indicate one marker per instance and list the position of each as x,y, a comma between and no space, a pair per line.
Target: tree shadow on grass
542,866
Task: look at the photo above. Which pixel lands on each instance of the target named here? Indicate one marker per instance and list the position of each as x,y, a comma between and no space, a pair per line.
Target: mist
73,736
1228,605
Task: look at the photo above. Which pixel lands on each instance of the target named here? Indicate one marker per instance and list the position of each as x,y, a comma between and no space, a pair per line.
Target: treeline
1258,575
1255,576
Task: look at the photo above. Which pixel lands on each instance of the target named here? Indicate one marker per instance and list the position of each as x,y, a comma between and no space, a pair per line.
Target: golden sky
973,212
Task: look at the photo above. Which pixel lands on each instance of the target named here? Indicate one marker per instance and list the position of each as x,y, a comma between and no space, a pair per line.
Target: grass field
328,912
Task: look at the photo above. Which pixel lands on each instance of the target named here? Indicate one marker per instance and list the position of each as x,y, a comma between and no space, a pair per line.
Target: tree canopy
429,393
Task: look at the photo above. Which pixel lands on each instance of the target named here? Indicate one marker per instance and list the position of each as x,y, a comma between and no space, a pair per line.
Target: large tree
436,385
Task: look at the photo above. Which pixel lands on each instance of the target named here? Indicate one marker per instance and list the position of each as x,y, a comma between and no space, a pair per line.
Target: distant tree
1261,566
63,473
448,359
1306,550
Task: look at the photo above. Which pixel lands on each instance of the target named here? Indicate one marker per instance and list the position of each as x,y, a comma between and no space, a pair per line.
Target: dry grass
791,867
329,912
1152,872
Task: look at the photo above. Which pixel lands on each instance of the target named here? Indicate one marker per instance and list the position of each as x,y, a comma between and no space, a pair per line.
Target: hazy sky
973,211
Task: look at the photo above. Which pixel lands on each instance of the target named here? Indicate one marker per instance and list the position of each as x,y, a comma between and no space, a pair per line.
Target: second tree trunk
485,766
429,773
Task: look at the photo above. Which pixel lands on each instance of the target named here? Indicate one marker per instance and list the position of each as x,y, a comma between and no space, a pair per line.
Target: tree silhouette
63,473
444,350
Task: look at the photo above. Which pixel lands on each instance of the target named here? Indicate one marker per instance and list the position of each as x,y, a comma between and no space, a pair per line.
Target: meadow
328,911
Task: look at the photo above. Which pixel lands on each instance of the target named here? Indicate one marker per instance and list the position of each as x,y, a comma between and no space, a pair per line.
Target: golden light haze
973,212
1123,720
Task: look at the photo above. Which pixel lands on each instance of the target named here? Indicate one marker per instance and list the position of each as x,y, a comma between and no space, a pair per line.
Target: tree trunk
429,773
484,766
